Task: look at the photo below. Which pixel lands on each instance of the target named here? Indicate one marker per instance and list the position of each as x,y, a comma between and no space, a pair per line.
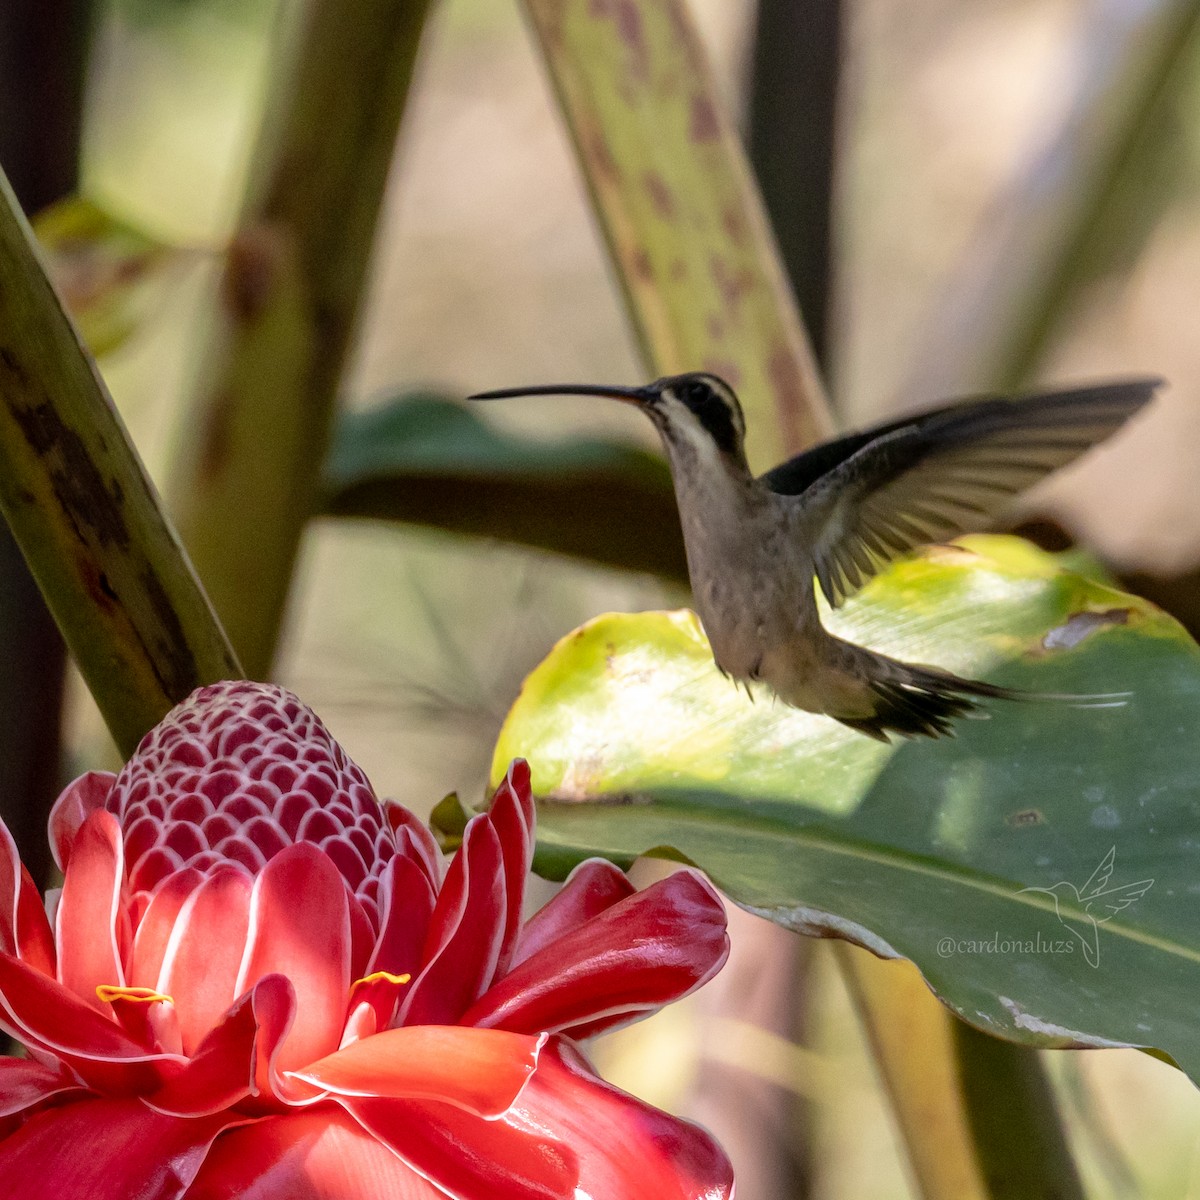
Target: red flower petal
512,816
473,1159
406,900
45,1016
147,1016
464,934
362,934
157,922
201,966
481,1070
639,954
223,1070
592,887
24,928
414,841
104,1147
300,928
315,1155
89,916
25,1084
625,1148
76,803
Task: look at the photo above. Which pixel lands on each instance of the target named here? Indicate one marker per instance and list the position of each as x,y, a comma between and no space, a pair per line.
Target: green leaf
685,228
427,459
108,272
920,849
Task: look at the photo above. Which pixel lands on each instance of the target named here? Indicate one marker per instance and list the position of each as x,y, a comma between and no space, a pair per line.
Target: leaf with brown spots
85,514
683,221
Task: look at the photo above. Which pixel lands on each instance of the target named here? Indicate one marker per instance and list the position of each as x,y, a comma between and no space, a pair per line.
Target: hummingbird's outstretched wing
875,495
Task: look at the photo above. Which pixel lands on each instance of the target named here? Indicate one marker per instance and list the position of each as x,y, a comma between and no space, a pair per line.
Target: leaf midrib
906,861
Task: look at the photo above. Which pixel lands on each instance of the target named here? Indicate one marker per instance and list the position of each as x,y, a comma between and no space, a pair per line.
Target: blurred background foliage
967,140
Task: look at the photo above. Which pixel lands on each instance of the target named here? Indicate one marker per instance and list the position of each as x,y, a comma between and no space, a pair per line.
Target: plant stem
1022,1147
978,1115
246,484
85,514
791,129
705,288
42,61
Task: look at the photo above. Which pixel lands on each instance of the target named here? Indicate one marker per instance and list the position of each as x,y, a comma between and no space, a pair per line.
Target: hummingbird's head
699,408
697,414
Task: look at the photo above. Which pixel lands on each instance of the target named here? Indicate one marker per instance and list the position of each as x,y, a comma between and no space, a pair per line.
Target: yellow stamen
384,976
107,993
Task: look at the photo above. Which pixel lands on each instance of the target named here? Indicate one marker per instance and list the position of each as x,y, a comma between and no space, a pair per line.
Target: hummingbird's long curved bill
628,395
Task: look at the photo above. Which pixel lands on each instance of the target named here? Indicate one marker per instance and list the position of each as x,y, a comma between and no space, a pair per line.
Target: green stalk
1023,1151
977,1115
86,515
684,223
246,482
1072,263
41,118
1050,235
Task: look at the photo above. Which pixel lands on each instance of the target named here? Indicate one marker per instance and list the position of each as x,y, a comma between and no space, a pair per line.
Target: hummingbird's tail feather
915,701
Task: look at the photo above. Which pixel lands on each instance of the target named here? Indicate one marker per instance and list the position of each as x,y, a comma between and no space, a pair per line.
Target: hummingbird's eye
698,396
714,412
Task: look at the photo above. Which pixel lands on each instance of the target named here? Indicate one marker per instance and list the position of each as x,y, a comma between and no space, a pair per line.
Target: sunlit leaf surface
923,849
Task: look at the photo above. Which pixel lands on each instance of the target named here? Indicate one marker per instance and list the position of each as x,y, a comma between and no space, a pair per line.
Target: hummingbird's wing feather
875,495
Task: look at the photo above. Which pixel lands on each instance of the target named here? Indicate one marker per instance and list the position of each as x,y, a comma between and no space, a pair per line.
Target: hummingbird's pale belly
762,625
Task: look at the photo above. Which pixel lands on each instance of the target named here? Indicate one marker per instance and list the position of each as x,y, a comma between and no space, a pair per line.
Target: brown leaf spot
12,366
170,657
732,285
678,271
96,584
734,225
1081,625
714,327
640,265
1027,816
216,435
660,195
628,20
93,505
703,125
787,388
251,268
600,156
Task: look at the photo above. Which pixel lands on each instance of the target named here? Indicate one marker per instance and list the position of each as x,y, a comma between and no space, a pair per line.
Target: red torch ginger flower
258,981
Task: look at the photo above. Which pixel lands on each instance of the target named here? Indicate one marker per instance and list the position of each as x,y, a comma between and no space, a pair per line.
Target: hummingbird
759,546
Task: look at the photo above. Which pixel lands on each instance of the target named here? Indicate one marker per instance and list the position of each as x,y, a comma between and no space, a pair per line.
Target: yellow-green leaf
926,850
